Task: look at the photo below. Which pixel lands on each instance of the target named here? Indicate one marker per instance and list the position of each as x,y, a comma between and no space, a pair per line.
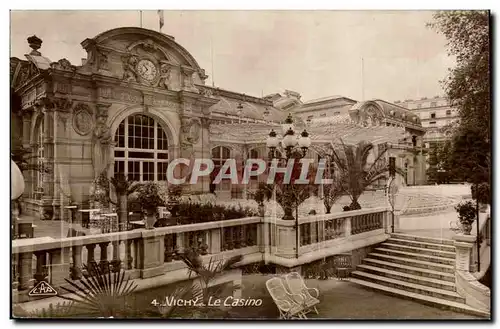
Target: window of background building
219,156
432,122
419,106
323,115
141,151
433,104
448,112
433,115
336,113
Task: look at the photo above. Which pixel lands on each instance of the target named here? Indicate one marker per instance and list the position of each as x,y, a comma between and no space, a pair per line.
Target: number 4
155,303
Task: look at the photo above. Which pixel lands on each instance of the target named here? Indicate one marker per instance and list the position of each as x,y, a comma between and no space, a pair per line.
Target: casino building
139,100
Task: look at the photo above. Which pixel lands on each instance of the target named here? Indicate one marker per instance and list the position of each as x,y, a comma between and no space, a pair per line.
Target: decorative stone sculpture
129,73
165,76
101,146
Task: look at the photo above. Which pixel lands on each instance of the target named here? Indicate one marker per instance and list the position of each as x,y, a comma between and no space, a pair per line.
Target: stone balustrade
476,294
152,253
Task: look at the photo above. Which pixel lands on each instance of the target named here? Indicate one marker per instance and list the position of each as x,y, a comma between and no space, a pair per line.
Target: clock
146,70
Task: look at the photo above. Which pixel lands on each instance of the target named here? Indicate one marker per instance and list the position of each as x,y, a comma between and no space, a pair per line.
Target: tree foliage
468,83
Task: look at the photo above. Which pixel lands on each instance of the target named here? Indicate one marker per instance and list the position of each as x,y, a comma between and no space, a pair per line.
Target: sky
388,55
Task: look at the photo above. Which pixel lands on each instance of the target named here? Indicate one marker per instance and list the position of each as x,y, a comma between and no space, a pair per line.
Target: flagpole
212,59
140,13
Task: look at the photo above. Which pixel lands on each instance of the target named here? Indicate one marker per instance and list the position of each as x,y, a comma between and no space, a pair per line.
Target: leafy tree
468,83
470,156
357,173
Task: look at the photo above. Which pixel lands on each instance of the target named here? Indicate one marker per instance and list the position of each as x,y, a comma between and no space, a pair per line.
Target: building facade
139,100
437,116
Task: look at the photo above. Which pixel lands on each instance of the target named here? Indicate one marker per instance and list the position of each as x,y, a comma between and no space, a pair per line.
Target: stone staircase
417,268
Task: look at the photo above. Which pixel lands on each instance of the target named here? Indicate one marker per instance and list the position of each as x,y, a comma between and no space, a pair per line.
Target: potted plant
149,197
466,215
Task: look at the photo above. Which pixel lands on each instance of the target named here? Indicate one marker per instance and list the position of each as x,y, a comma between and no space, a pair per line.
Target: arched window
141,151
219,156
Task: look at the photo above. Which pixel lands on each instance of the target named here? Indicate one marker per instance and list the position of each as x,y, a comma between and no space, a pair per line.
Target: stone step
425,281
413,262
410,269
427,258
428,300
408,286
418,238
420,244
425,251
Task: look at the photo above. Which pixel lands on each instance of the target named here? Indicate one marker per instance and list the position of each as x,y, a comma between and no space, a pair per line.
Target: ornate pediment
145,57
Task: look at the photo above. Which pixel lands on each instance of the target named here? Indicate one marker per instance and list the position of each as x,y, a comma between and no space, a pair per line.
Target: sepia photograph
250,164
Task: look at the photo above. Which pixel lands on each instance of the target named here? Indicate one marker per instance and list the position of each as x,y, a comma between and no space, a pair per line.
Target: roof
376,111
330,129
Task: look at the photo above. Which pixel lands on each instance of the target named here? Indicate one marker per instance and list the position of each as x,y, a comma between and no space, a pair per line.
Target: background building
139,100
437,116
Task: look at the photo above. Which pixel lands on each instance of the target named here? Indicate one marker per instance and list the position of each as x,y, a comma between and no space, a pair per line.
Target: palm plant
123,188
332,192
207,273
357,174
101,293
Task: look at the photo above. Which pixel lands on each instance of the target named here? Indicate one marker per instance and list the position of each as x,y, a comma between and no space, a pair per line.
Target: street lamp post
290,143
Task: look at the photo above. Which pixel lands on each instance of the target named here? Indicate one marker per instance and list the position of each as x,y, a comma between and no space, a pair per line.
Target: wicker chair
297,286
290,305
342,266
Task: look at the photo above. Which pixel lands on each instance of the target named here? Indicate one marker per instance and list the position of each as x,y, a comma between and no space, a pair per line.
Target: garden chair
296,285
288,304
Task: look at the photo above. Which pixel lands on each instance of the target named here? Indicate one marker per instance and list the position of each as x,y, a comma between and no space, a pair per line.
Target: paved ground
342,300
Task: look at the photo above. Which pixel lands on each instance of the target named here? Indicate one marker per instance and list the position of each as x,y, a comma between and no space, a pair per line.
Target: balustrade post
40,274
180,242
116,262
59,266
76,270
152,254
103,260
128,254
347,226
215,241
90,256
15,272
26,280
463,246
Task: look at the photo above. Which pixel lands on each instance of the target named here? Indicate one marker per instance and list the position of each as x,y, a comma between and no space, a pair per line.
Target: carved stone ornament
129,68
62,104
63,65
165,76
83,122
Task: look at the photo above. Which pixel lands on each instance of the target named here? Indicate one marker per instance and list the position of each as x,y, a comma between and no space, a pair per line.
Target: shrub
466,212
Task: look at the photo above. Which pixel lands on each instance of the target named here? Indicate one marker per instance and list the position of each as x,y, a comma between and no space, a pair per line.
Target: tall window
433,115
141,151
219,156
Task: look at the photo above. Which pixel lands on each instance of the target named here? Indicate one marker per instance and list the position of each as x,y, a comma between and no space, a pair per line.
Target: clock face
147,70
